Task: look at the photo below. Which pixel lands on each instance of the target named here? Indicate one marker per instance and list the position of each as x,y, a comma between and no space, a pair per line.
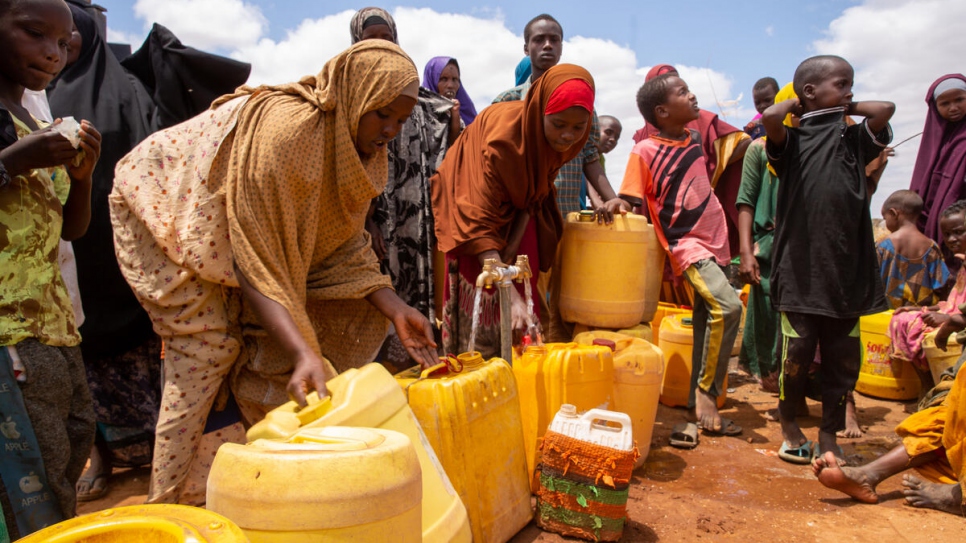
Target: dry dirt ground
735,488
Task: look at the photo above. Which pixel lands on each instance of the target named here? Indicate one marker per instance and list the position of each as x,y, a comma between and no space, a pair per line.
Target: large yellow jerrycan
553,374
370,397
162,523
336,483
638,376
472,420
675,338
610,274
880,375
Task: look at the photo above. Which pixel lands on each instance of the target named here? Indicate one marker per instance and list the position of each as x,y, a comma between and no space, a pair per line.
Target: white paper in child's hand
70,129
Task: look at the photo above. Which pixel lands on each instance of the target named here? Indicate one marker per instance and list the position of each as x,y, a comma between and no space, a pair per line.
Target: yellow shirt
33,299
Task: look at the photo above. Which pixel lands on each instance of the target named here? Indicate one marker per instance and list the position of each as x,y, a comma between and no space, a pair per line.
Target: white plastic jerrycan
597,426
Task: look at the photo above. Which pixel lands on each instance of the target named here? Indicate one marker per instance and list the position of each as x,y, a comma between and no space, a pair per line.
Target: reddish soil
735,488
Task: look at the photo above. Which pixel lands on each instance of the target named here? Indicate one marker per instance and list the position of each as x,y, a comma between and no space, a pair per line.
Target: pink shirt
672,178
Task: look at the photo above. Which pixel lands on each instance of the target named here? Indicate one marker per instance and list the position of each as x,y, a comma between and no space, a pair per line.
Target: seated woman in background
493,197
910,324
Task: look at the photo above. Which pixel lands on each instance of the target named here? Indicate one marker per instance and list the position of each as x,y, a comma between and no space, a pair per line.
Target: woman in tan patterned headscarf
241,232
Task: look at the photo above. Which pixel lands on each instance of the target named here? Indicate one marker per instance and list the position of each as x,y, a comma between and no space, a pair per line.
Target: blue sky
898,47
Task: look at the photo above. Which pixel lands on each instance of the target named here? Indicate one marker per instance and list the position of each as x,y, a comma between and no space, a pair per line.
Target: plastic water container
157,523
472,420
322,484
551,375
880,375
940,361
640,331
675,338
638,376
370,397
610,274
585,475
664,309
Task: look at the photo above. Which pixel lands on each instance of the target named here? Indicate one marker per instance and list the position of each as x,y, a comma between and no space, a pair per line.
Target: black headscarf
183,81
166,83
95,87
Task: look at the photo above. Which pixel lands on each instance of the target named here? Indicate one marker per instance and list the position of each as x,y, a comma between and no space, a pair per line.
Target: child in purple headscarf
442,75
940,173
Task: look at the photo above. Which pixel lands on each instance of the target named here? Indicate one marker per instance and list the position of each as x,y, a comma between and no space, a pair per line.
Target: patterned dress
911,281
404,210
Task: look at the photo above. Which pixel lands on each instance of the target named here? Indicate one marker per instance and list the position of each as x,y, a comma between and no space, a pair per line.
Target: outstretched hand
416,335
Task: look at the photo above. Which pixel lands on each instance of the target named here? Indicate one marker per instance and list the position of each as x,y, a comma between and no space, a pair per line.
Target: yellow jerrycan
939,360
167,523
880,375
664,309
336,483
610,274
370,397
554,374
470,412
638,376
675,338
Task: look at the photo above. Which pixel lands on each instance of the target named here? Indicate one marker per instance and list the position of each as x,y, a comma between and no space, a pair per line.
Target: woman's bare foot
919,493
851,481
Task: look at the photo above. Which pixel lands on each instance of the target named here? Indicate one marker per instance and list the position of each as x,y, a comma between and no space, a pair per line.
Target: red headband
570,93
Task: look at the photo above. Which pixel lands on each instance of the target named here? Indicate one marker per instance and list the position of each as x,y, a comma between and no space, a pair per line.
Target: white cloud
206,24
486,71
769,31
898,48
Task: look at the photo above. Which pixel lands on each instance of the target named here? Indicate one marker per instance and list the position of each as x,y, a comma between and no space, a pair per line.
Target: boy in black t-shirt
825,272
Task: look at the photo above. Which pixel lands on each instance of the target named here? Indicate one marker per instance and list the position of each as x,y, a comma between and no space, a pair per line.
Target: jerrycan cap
585,215
606,343
568,410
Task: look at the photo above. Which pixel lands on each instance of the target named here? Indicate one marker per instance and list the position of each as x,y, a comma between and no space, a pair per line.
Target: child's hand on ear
89,151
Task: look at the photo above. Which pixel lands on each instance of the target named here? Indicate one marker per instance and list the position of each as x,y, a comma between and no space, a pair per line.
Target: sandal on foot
796,455
728,428
94,490
685,436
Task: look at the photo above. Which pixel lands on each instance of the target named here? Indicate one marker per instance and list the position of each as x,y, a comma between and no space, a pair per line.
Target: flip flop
685,436
796,455
94,491
728,428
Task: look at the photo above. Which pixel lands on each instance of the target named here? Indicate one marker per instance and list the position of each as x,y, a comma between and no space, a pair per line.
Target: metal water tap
523,266
490,273
499,274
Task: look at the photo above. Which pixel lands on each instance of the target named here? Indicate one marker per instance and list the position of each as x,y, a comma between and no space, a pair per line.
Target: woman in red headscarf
494,197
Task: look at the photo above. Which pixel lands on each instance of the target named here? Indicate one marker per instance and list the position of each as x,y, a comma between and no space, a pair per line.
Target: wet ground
735,488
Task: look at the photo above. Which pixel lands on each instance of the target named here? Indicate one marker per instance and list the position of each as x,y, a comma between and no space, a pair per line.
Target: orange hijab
500,165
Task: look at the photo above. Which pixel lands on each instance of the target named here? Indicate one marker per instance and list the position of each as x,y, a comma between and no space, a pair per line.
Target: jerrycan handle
594,415
449,363
315,408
